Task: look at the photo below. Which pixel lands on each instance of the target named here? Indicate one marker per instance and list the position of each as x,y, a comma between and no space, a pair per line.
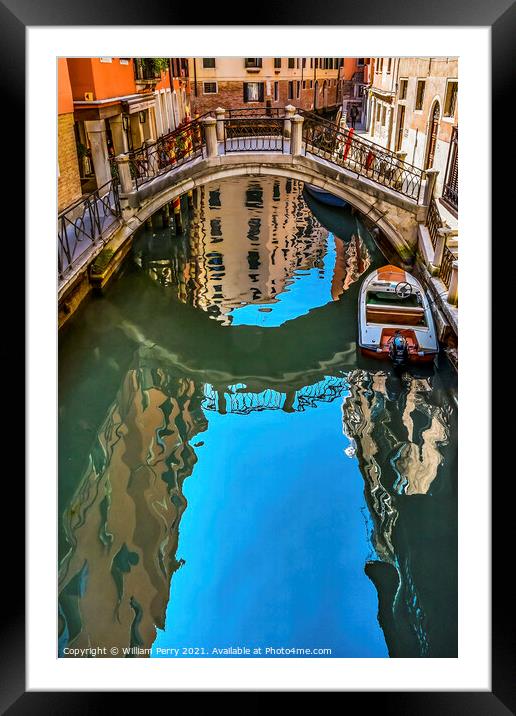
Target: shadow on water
252,312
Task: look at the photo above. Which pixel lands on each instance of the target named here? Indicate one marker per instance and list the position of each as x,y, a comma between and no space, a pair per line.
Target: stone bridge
393,194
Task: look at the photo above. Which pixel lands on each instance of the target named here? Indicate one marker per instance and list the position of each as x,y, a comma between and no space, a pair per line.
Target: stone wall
69,182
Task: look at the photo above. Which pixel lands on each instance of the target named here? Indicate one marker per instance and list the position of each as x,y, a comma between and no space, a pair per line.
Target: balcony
146,76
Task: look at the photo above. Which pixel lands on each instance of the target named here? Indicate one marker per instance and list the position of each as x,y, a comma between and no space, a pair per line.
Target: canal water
234,477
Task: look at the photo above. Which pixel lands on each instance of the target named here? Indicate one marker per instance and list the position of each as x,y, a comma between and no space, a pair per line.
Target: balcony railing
433,221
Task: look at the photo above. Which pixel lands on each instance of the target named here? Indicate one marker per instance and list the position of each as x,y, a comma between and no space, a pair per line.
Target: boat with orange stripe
395,319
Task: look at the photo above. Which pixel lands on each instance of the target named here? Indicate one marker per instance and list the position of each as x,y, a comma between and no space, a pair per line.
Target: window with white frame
209,88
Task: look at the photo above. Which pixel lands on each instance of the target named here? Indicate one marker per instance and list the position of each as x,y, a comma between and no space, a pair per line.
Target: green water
233,474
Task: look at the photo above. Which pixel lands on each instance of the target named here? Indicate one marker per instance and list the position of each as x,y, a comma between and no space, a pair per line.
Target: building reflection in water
123,521
246,244
399,433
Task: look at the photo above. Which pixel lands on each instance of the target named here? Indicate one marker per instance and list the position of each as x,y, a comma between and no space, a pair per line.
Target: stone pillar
287,127
220,123
96,131
124,172
210,132
296,140
442,238
152,155
453,290
431,177
118,134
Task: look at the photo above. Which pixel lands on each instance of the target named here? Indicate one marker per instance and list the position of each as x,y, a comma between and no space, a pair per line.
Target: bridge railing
84,223
167,152
256,133
344,148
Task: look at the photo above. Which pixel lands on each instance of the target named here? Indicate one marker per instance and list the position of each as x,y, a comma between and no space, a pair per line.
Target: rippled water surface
233,474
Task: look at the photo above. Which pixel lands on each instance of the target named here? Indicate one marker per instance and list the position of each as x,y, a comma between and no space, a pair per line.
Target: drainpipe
394,86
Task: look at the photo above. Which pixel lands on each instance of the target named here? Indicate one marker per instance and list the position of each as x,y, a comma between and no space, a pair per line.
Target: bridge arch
395,216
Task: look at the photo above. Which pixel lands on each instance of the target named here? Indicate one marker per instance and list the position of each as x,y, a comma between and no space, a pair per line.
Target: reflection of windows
253,259
403,89
254,196
214,199
215,228
208,63
420,94
450,101
209,87
253,232
253,91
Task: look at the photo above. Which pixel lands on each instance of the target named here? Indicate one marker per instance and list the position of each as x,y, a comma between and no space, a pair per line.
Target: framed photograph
255,458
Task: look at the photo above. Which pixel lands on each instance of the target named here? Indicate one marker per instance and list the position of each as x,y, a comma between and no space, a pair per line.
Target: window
298,89
360,61
297,63
420,94
380,68
291,63
253,91
311,84
311,63
255,62
303,63
209,88
106,59
290,90
403,89
451,98
276,91
389,65
384,115
378,110
208,63
277,63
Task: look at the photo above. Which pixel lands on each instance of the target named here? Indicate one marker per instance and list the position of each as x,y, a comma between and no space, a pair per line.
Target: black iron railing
167,152
344,148
254,112
434,221
445,270
254,134
83,225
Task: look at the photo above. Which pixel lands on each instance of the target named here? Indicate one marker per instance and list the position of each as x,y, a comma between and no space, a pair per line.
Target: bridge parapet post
453,292
210,132
290,111
124,173
296,139
219,112
431,178
442,237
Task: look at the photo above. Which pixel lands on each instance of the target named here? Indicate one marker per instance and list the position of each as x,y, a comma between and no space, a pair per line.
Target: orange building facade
111,105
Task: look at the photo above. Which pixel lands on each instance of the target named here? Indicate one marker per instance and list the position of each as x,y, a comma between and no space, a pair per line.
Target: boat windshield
383,297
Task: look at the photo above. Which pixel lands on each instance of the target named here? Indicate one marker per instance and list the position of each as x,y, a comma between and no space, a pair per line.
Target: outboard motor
398,350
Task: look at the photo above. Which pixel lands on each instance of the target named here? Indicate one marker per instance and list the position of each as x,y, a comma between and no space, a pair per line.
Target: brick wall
231,95
68,183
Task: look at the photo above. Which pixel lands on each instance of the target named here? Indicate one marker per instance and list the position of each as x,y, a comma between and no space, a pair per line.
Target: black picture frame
500,16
